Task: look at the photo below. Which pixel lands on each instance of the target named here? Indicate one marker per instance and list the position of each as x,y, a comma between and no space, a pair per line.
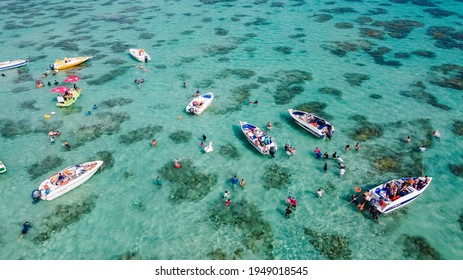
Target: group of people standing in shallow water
234,183
291,204
340,161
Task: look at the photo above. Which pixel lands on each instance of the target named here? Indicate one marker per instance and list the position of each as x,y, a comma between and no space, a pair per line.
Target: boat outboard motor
36,194
52,67
146,58
191,110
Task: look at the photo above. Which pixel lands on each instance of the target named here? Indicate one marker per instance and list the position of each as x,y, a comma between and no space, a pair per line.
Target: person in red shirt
294,203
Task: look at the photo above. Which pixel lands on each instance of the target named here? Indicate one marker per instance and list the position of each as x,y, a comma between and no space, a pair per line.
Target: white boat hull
12,64
200,103
409,194
312,123
139,55
51,188
257,137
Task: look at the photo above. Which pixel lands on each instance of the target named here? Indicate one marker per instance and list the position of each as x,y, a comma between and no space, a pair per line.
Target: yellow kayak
68,62
69,99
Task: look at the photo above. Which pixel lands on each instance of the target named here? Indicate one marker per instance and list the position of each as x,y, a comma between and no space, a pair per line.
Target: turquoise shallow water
378,70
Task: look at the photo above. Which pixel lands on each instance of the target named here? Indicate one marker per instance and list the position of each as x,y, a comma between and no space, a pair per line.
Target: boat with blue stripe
265,144
12,64
395,194
200,103
312,123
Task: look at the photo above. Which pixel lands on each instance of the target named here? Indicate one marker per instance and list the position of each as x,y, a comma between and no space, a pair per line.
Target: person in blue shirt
26,227
234,181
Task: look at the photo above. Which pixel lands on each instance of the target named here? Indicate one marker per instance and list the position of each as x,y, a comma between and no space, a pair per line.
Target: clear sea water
375,69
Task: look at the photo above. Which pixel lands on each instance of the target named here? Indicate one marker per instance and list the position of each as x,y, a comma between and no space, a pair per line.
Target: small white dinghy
209,148
140,55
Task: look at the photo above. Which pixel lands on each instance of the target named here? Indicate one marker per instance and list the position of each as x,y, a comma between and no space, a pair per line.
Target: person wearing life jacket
361,206
382,202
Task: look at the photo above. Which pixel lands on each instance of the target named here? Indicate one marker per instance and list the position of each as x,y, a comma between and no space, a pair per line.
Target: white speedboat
140,55
312,123
12,64
394,194
2,167
68,179
200,103
265,144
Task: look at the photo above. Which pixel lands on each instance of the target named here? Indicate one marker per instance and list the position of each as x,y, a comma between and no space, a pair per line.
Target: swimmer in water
26,227
158,181
288,200
436,135
288,211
